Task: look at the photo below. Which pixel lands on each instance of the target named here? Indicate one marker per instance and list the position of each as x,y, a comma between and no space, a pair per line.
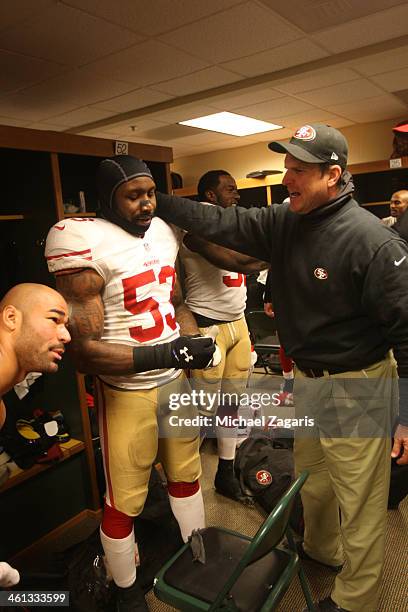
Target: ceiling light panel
231,123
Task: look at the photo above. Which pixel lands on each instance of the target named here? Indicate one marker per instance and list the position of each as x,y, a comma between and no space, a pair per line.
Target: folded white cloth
212,332
22,388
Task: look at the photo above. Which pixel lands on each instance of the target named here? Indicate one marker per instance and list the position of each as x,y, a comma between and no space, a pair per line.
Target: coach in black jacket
340,293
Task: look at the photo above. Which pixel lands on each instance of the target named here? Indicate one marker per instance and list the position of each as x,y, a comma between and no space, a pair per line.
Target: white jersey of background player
215,292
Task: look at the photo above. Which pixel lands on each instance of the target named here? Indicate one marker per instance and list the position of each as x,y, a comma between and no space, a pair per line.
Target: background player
215,292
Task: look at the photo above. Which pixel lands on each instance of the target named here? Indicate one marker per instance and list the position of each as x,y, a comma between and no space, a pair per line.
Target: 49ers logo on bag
306,132
264,478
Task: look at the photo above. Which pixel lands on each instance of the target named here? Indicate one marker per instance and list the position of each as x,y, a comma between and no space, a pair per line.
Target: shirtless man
33,335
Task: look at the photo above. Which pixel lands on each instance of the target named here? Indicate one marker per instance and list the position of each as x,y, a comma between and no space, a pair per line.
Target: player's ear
11,317
211,197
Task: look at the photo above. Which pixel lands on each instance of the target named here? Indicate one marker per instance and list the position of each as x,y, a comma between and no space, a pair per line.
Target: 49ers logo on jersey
264,478
306,132
321,274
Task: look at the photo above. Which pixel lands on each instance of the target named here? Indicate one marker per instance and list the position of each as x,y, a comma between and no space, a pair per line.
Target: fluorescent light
231,123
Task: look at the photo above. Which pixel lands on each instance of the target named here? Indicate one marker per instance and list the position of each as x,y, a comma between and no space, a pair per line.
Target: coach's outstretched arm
244,230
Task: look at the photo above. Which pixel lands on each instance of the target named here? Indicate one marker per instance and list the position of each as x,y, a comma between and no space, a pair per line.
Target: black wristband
156,357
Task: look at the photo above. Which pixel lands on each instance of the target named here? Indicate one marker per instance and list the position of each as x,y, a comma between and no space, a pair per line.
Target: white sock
120,555
226,442
189,513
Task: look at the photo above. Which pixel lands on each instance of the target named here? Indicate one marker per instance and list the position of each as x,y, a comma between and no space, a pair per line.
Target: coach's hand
400,448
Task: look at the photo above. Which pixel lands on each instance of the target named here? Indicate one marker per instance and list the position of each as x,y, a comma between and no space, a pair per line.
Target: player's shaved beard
30,358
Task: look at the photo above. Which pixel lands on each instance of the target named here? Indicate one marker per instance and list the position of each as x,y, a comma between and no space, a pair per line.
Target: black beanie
112,173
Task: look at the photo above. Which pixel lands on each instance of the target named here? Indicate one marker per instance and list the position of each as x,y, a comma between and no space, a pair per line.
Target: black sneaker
326,605
131,599
303,555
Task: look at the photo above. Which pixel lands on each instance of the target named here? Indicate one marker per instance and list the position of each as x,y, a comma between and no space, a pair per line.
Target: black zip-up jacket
339,282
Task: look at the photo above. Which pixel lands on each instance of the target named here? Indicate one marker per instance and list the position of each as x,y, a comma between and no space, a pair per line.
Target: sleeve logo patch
399,262
306,132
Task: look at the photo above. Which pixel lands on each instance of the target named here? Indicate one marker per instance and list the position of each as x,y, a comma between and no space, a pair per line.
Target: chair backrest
270,533
262,328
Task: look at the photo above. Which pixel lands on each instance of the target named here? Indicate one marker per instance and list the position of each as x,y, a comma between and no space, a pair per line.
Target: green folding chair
240,573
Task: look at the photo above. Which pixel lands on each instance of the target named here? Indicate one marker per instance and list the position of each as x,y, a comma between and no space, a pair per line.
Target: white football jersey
210,291
139,277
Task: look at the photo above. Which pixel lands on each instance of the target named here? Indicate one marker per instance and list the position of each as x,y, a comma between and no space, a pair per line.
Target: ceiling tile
18,71
80,116
251,95
281,134
98,133
336,94
312,15
15,12
198,81
225,36
373,109
182,113
78,87
392,81
170,132
48,126
278,58
268,111
32,108
138,98
163,63
382,62
366,31
317,79
132,127
311,116
13,122
206,137
63,34
159,16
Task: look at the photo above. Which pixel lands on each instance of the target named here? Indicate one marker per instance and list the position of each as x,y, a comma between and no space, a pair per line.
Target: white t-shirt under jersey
139,277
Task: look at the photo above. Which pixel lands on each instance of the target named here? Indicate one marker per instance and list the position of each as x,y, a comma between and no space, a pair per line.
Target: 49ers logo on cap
306,132
264,478
321,273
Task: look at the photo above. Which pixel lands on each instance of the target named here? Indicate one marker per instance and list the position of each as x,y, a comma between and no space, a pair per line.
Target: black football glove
185,352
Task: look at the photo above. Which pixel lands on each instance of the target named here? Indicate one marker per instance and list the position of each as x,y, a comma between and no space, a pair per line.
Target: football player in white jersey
215,292
117,274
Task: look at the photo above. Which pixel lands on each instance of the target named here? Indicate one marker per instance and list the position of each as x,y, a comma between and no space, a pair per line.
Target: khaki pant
133,435
231,374
349,472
